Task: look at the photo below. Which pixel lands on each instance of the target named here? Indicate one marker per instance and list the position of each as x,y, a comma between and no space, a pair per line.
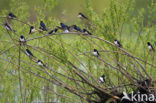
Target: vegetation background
72,72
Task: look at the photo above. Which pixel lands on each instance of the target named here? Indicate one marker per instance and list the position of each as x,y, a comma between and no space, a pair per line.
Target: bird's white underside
66,31
22,39
150,47
27,53
33,30
101,79
7,27
79,16
95,53
116,42
40,64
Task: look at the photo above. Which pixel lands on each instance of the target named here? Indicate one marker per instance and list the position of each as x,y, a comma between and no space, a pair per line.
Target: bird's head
95,50
21,36
39,61
55,29
31,27
148,43
80,13
115,40
103,75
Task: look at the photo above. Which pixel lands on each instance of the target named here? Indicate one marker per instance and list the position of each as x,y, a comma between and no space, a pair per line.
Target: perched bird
64,27
76,28
7,26
22,39
40,63
82,16
11,15
32,29
96,53
150,47
42,26
86,32
102,79
28,52
117,43
53,31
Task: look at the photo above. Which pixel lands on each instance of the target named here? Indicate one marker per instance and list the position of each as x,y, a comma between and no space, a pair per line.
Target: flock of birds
65,29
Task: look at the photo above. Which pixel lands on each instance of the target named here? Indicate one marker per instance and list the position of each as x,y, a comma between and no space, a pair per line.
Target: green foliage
27,82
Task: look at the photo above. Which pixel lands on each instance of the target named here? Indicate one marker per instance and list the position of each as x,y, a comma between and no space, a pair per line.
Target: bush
71,72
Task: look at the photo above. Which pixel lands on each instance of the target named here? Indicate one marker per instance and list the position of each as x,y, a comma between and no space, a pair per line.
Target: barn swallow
40,63
86,32
11,15
64,27
53,31
42,26
117,43
7,26
32,29
28,52
150,47
82,16
22,39
96,53
102,79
